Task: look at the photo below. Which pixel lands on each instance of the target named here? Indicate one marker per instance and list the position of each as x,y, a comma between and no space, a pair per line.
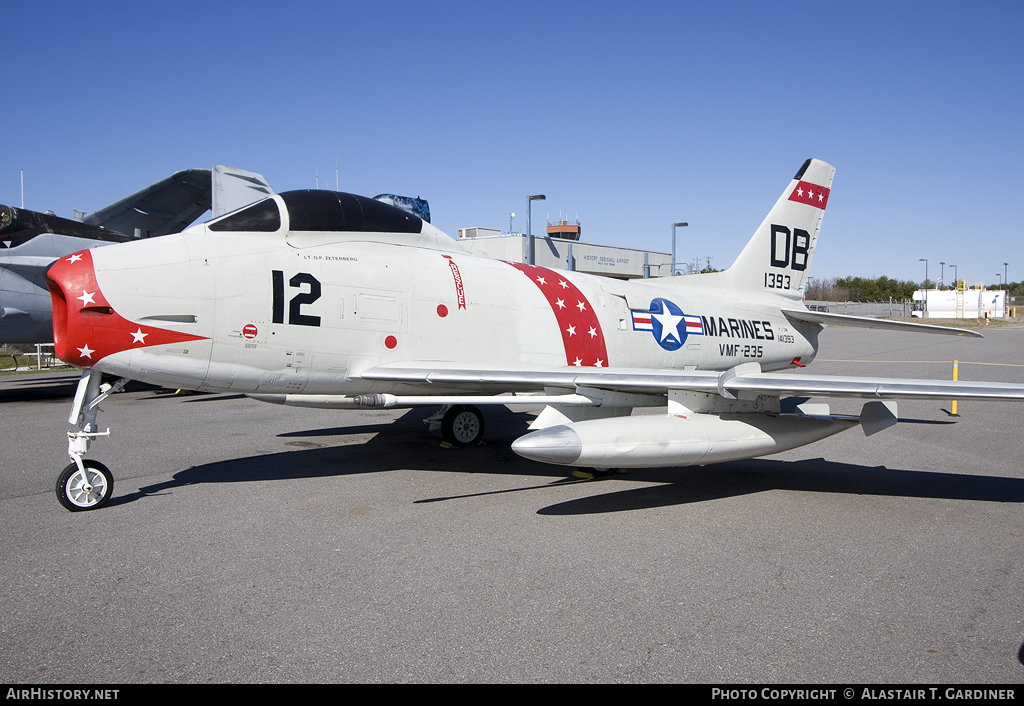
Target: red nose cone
85,327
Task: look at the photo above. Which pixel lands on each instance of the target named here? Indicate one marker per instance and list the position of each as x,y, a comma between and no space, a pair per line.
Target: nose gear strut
86,484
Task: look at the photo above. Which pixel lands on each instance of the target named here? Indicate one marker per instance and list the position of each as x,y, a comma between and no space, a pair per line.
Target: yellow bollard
956,374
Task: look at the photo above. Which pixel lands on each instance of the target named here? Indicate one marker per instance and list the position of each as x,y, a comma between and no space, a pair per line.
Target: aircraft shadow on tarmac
404,444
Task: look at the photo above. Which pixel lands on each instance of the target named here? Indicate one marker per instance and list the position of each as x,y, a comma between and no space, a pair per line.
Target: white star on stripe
578,362
562,284
561,303
541,280
669,324
87,297
599,363
571,330
593,331
139,336
581,306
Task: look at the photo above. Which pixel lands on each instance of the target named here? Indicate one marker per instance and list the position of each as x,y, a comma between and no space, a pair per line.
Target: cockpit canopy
321,211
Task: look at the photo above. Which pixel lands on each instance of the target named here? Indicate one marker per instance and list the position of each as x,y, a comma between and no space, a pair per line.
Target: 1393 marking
774,281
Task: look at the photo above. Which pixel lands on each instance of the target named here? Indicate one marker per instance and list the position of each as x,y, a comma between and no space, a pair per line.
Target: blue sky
631,115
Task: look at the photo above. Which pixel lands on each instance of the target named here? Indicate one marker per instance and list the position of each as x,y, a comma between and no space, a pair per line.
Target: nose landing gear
86,484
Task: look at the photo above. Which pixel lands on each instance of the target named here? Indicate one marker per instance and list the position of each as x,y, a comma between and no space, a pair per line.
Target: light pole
672,266
956,278
924,287
529,229
1006,297
942,273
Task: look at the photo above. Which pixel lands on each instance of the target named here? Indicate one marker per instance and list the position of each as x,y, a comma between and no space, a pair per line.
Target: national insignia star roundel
668,324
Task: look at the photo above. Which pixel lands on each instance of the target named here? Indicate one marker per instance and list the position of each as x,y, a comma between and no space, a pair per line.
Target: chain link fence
1015,308
29,356
876,309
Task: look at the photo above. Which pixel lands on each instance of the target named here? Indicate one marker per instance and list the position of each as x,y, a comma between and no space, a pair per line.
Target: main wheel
90,490
463,425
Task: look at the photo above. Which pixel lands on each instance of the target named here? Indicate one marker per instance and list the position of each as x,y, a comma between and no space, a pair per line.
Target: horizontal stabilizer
819,317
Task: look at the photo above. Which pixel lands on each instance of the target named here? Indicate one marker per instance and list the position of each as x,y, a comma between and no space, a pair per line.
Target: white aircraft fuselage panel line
321,298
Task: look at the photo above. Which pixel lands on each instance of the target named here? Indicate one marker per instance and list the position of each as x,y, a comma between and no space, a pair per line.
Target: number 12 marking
295,315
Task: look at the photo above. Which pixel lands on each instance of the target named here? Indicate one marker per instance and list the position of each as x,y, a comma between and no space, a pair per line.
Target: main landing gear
460,424
86,484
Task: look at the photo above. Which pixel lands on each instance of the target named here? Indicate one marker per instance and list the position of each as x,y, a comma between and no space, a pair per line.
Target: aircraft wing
820,317
745,381
168,206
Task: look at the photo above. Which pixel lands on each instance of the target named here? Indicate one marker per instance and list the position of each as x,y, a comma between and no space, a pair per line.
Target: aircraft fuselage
290,313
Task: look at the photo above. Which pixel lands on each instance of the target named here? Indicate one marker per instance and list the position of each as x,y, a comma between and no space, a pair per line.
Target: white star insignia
578,362
800,192
581,306
593,331
139,336
571,330
86,352
562,284
541,280
75,258
669,324
821,196
87,297
599,363
561,303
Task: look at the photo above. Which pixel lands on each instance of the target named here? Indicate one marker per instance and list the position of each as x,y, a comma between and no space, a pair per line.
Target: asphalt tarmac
248,542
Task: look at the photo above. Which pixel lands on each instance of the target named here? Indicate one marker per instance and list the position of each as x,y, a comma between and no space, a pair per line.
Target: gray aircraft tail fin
235,188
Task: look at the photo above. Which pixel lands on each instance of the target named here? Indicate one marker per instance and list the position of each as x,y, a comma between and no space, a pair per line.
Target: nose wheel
85,488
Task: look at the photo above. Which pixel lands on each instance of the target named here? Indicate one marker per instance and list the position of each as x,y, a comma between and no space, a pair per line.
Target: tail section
778,257
234,188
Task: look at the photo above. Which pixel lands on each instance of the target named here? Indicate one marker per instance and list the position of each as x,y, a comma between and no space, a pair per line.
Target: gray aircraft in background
31,241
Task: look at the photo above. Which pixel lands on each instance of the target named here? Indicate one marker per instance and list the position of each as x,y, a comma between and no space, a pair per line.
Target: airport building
561,249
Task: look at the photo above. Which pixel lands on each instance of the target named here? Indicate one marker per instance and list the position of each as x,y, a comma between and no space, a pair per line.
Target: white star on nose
139,336
86,352
75,258
87,297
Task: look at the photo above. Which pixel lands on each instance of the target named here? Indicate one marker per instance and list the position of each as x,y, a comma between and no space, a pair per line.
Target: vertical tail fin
234,188
778,257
